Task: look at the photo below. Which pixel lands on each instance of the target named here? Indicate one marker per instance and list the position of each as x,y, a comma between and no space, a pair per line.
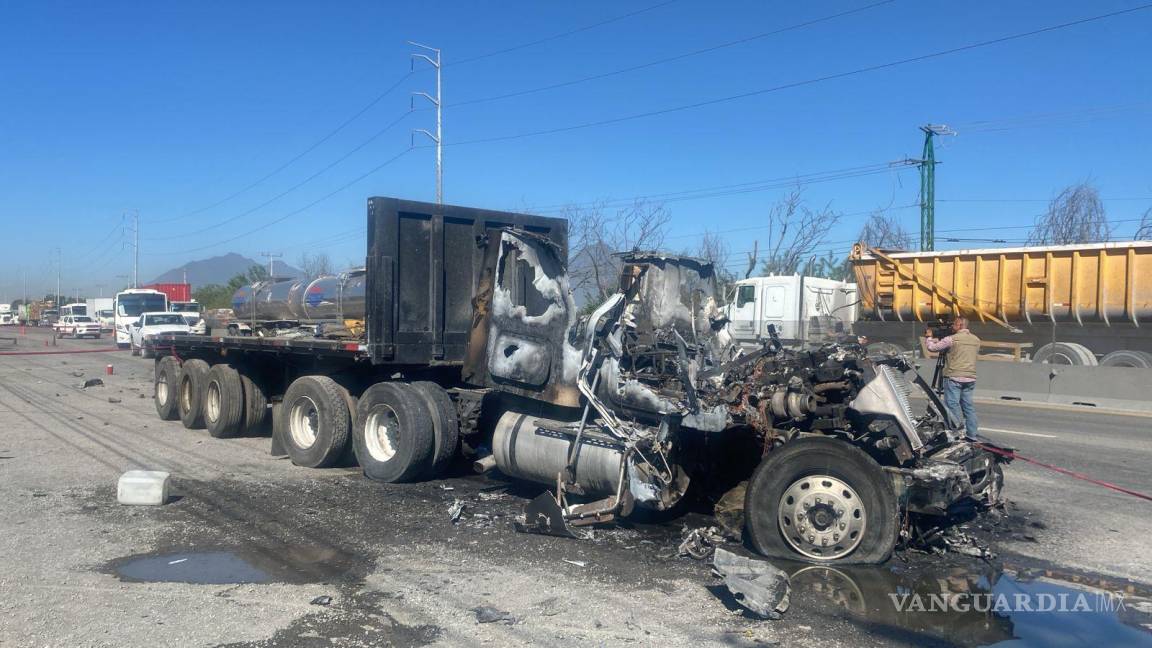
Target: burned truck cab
624,408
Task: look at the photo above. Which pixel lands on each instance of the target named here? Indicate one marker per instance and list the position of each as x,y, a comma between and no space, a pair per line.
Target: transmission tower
927,165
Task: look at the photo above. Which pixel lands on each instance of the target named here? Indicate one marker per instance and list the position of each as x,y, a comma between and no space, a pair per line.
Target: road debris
578,563
321,600
756,585
456,510
488,614
700,543
92,382
113,399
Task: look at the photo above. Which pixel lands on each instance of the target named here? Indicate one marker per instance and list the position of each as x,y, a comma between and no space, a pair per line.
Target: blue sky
172,108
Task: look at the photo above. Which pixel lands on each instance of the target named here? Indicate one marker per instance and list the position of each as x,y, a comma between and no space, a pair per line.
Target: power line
669,59
293,212
1012,200
796,84
739,188
294,187
297,157
553,37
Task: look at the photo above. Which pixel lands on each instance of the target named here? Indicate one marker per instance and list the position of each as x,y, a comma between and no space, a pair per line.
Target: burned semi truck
473,343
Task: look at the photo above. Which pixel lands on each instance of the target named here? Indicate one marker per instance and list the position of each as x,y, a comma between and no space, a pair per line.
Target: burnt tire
255,406
857,498
1136,359
445,425
223,402
190,393
164,386
315,421
394,433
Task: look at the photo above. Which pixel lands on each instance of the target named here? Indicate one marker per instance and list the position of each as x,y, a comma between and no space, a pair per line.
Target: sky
264,126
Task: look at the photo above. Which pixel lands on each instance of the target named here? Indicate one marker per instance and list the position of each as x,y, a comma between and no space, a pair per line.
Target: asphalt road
250,541
1089,526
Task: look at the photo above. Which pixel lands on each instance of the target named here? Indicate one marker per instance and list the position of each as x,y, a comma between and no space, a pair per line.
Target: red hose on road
15,353
1064,471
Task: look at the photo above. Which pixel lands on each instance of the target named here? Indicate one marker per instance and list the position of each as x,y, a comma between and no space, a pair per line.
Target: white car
150,325
77,326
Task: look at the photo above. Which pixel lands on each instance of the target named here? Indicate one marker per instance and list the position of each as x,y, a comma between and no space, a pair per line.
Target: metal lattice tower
927,165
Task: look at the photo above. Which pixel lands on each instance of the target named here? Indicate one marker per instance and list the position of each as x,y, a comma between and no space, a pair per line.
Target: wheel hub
822,517
381,433
162,389
303,422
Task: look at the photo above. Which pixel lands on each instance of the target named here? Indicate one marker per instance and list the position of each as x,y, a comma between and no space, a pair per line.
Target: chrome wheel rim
381,433
162,389
303,421
212,402
821,517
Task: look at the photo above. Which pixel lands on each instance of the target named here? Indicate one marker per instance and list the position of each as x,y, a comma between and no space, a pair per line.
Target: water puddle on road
979,608
227,567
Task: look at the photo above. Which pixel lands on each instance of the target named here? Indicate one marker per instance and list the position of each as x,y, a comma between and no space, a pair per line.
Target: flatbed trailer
429,273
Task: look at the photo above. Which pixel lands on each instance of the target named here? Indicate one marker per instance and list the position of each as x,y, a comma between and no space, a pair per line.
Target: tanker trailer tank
333,297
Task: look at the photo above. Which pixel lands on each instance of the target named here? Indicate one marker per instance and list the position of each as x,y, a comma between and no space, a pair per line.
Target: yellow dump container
1109,283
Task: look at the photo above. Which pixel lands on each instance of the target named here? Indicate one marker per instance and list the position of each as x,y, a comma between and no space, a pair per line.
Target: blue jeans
958,399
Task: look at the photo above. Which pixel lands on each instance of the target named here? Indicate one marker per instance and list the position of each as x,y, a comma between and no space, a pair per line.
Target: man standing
959,371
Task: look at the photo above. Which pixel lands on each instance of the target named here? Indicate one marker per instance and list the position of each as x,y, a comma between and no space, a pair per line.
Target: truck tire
223,401
394,433
855,521
1065,353
164,388
1137,359
445,425
315,421
255,406
190,393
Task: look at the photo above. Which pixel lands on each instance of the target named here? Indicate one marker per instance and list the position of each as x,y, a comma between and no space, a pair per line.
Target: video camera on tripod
939,330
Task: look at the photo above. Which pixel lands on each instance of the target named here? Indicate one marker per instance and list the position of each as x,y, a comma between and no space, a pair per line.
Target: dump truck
472,345
1066,304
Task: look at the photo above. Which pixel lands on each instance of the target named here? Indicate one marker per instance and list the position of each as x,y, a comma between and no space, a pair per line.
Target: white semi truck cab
804,310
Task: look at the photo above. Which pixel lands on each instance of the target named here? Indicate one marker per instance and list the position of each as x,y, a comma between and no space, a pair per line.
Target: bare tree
314,265
596,237
713,249
1144,231
882,230
1076,215
796,230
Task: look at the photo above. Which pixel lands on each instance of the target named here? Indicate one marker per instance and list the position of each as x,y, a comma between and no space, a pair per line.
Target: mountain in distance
218,270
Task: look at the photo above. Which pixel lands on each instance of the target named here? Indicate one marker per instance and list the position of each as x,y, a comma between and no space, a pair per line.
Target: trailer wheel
190,393
315,421
445,424
164,388
1065,353
255,405
394,433
223,401
821,500
1138,359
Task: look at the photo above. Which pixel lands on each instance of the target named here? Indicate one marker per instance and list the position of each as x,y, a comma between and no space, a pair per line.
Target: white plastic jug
143,487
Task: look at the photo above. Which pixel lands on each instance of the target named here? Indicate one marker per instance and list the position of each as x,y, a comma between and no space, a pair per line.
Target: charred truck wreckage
645,403
828,440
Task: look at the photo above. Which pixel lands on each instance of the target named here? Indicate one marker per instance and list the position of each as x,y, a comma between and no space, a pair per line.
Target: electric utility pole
927,165
271,256
135,248
435,102
59,264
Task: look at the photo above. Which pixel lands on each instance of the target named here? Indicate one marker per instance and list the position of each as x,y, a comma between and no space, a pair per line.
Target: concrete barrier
1121,388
